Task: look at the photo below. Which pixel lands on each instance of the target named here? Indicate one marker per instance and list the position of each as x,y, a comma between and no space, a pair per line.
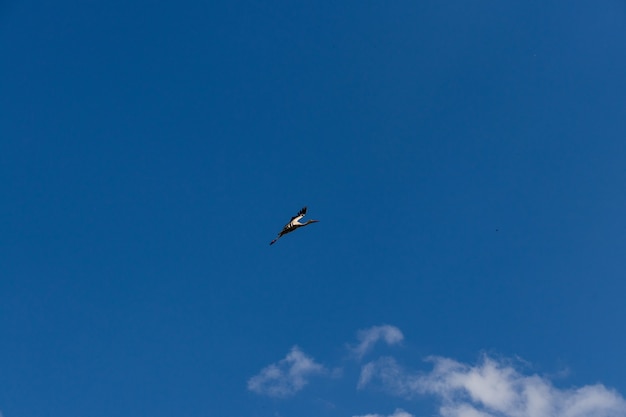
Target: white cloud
390,376
398,413
492,389
287,376
489,388
368,338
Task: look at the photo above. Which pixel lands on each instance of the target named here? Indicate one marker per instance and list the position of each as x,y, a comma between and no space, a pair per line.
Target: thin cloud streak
287,376
398,413
491,389
369,337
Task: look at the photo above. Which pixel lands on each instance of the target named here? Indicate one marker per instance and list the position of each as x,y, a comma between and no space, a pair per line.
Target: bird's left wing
300,214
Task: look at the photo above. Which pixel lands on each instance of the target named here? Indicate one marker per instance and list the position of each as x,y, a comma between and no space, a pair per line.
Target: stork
293,224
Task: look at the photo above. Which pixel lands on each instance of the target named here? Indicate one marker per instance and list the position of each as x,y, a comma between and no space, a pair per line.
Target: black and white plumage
293,224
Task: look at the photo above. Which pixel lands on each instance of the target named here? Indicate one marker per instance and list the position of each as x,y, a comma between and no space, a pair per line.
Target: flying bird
293,224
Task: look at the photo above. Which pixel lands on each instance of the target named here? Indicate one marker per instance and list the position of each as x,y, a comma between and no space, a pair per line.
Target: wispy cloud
287,376
368,338
398,413
492,388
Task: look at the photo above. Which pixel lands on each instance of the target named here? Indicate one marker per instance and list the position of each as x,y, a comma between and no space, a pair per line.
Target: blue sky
466,161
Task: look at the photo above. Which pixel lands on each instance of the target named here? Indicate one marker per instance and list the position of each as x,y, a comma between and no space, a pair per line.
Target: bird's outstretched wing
300,214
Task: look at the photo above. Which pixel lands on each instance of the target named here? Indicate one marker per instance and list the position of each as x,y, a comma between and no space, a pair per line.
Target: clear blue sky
466,160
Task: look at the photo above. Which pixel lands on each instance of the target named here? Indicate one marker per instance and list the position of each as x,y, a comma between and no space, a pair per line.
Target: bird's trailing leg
274,241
